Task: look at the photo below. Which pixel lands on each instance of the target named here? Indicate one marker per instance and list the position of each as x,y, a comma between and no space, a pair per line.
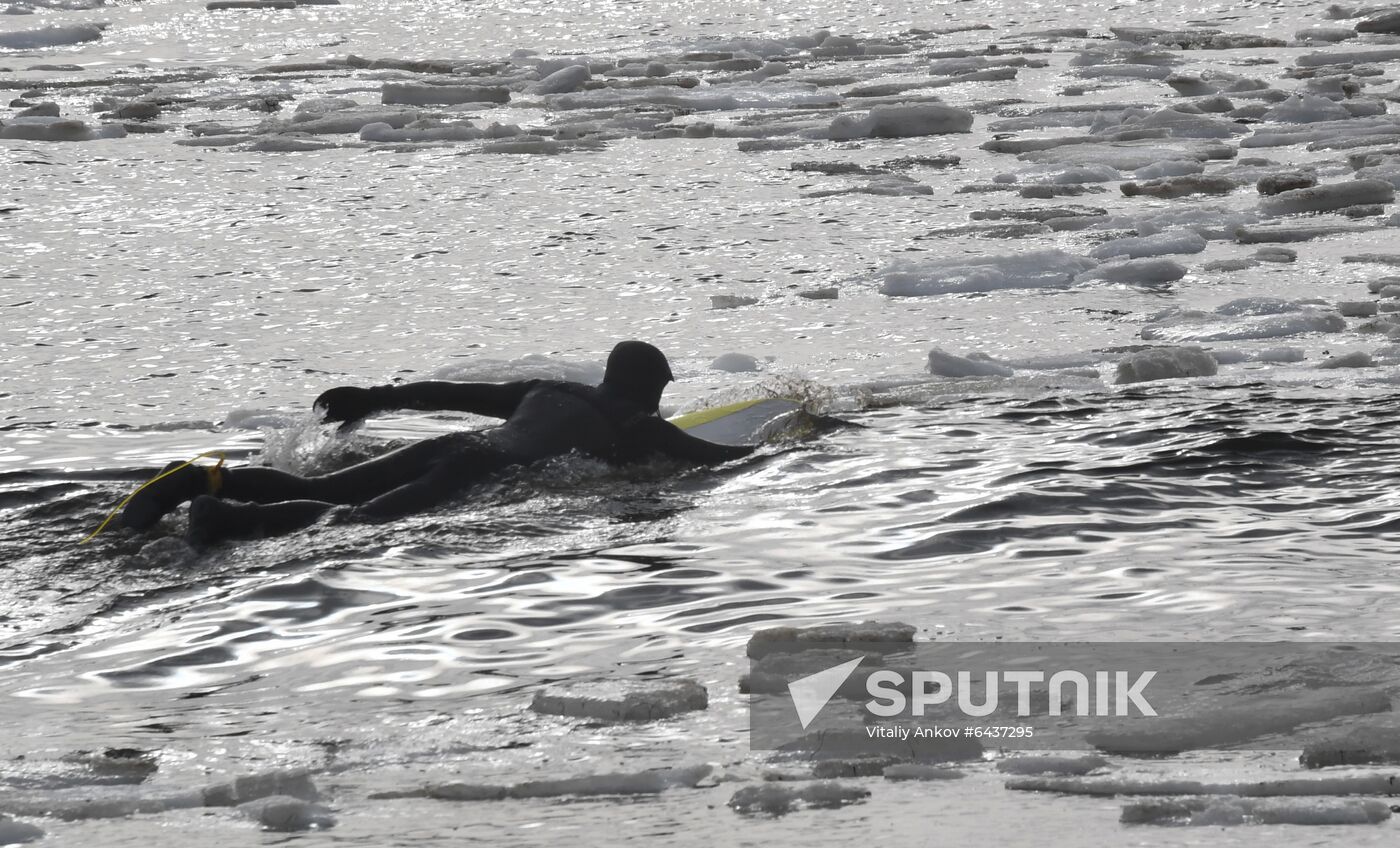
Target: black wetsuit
543,419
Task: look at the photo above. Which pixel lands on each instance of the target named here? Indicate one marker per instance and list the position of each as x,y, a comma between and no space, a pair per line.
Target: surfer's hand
346,403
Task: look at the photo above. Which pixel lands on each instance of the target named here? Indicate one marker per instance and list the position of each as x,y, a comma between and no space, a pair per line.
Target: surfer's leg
356,484
467,465
212,519
359,483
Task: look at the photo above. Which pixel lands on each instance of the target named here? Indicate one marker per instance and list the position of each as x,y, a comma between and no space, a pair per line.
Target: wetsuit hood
637,372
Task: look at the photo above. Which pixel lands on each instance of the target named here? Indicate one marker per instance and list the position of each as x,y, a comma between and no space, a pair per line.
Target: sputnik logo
811,693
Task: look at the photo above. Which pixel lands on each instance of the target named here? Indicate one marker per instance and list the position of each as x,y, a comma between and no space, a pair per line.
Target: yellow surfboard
747,422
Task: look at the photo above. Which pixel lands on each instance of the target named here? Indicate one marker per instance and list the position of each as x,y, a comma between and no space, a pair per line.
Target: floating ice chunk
1054,362
39,110
418,94
623,783
1302,232
1138,272
293,782
1329,34
903,120
57,129
734,363
1169,168
1051,765
1357,784
1385,21
1329,197
1229,724
1389,172
566,79
1259,306
1036,269
51,36
287,144
1179,124
1357,308
776,799
1165,363
1364,745
1173,187
1332,134
1254,327
1210,222
714,99
1377,258
1230,265
622,700
533,145
92,802
1076,174
918,771
341,122
1128,155
888,185
1225,812
947,365
16,832
1280,354
323,105
421,131
1124,71
284,814
780,639
1276,254
1285,181
1355,359
1275,355
1307,109
1134,247
1349,57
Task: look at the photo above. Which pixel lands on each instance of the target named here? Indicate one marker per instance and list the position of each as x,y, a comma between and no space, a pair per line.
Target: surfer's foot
153,501
213,520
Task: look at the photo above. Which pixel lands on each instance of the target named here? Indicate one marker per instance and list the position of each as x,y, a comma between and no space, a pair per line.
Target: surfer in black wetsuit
616,421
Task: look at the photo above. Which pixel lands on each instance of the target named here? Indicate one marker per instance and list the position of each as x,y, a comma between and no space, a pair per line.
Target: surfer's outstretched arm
661,436
496,400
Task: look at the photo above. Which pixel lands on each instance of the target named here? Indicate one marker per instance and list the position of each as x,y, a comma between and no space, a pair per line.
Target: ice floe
1329,197
1227,812
51,36
285,814
621,783
621,699
1157,244
1350,784
776,799
1138,272
946,364
94,802
46,128
1208,327
1233,723
1165,363
1034,269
